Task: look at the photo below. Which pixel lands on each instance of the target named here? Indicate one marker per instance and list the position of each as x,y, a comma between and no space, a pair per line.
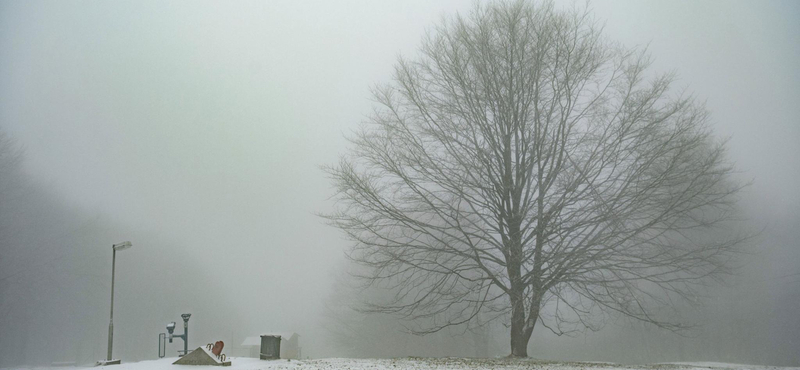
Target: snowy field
418,363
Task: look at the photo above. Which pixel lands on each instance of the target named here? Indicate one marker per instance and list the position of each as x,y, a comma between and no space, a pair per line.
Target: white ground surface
241,363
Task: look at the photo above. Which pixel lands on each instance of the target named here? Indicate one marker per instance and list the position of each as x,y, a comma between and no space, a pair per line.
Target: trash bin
270,347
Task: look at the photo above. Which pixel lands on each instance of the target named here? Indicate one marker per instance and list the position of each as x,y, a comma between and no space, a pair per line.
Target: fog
196,130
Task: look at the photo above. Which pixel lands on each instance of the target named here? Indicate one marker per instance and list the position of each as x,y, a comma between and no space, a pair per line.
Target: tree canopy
523,167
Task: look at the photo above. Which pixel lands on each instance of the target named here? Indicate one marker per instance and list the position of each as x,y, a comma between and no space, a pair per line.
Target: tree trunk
519,340
519,334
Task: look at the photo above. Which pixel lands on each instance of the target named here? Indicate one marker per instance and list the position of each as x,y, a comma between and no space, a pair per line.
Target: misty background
196,131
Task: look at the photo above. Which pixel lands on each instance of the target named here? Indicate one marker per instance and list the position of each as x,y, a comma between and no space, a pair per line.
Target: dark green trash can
270,347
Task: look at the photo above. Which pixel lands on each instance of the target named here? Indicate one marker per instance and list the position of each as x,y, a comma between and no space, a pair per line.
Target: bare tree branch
524,165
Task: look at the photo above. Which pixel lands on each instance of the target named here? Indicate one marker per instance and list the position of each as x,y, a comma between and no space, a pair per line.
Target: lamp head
186,317
122,246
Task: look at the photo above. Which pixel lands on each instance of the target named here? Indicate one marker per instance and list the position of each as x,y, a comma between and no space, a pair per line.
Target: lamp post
115,248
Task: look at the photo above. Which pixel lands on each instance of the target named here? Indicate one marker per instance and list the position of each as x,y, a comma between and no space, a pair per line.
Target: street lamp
115,248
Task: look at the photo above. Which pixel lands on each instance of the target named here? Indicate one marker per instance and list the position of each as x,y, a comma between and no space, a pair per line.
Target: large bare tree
524,167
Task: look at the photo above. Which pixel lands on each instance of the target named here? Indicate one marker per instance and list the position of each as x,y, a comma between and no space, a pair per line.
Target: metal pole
111,321
185,337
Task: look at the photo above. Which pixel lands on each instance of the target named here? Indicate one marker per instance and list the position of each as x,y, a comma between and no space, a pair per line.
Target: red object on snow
217,348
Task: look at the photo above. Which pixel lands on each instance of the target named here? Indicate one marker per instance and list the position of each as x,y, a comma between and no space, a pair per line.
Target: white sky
206,122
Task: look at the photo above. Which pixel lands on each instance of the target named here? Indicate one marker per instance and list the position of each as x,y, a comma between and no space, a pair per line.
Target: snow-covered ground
240,363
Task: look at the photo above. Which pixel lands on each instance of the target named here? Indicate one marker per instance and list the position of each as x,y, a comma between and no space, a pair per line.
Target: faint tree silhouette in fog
526,168
10,183
10,159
